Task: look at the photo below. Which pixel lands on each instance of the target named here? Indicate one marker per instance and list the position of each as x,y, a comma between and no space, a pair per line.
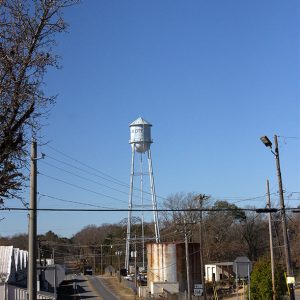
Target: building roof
226,263
140,121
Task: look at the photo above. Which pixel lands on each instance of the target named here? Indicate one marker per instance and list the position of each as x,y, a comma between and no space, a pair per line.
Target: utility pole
287,250
94,261
111,256
101,263
135,258
187,261
271,243
201,198
32,270
119,253
290,279
53,254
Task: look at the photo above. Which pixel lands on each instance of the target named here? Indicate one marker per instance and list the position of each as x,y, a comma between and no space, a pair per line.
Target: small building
240,268
219,271
110,270
13,265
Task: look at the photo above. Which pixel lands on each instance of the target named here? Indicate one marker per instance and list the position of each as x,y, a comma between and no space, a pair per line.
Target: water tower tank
140,135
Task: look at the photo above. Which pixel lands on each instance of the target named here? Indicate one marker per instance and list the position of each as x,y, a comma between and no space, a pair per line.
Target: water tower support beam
142,203
153,196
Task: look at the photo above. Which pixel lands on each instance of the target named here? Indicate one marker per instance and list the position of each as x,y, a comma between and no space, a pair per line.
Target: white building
219,271
13,264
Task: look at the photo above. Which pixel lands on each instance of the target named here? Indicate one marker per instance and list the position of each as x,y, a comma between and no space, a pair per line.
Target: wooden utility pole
32,270
94,273
271,242
119,253
135,265
287,251
101,262
187,256
201,198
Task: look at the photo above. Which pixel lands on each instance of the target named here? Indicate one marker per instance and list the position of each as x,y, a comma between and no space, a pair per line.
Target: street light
266,141
290,276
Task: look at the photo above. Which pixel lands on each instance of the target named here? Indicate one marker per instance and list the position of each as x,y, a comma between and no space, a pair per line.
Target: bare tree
255,234
27,36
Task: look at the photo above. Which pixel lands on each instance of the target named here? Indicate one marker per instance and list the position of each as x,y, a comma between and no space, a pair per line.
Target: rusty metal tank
167,263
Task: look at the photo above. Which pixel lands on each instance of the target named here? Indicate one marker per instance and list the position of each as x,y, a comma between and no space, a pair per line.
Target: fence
10,292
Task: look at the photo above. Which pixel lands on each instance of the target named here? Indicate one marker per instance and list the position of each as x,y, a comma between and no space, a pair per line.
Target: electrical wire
257,210
82,188
87,179
119,182
71,201
84,164
113,180
289,137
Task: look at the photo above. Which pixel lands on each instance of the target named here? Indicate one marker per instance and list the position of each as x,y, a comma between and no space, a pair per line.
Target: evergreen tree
261,281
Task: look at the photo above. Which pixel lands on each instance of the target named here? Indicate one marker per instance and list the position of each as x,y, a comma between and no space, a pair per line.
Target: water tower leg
153,196
127,253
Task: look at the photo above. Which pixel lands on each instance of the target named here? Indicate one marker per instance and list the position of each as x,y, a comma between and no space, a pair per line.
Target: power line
254,198
82,188
258,210
83,164
113,180
87,179
71,201
117,181
289,137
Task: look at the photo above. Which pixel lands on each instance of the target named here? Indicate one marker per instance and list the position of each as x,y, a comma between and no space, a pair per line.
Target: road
98,286
297,294
85,287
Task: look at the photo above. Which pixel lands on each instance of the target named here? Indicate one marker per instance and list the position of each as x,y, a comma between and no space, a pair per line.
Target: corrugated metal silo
167,262
161,262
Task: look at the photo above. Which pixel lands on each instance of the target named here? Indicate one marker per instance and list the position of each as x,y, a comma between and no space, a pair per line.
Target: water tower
140,140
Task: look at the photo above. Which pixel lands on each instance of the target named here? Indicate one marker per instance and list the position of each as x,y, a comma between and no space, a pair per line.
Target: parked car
128,277
87,270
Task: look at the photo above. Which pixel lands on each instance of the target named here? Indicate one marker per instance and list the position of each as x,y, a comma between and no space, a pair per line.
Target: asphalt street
98,286
86,287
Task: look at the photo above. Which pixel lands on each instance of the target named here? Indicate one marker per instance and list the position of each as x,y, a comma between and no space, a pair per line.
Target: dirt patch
117,288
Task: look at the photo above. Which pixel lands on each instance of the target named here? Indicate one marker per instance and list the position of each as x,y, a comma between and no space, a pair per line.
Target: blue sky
211,76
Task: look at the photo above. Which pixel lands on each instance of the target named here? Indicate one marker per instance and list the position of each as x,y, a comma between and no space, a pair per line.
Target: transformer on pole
140,140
